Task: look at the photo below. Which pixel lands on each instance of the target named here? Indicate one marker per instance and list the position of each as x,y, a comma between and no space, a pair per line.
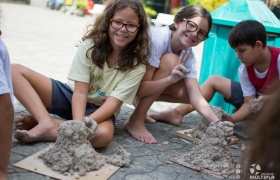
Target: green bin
218,57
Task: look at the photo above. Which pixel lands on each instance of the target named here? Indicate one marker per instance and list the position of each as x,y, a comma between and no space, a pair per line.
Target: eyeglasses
129,27
192,27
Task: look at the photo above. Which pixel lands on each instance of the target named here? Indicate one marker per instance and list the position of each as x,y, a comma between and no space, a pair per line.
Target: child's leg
104,134
212,85
6,126
135,124
34,92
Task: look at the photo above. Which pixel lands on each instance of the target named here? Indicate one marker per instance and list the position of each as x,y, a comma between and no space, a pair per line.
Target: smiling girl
191,26
106,71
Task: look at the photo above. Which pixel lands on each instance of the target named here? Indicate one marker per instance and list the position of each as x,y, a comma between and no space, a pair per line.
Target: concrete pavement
44,40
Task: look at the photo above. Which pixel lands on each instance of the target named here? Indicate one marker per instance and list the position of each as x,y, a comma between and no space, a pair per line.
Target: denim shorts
61,101
236,99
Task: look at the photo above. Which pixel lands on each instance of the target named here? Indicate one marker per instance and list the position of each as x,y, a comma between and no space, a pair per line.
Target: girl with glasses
165,79
106,71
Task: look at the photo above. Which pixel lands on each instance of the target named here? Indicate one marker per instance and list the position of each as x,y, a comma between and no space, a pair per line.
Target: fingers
227,123
184,57
178,73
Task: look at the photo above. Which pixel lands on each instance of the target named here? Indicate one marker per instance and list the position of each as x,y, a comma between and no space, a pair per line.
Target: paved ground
44,40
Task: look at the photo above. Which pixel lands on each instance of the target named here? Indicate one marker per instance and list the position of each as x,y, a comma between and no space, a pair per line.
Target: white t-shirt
5,72
161,44
246,85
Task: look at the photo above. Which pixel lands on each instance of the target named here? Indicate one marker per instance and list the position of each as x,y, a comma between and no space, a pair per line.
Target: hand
91,127
255,104
179,70
228,128
227,117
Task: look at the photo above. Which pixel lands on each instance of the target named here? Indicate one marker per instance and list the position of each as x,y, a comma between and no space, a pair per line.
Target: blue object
218,57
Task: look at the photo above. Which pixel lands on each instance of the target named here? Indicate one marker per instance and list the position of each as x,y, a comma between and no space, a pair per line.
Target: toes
19,119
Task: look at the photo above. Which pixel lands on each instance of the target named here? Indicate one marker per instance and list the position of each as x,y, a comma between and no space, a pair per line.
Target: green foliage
210,5
194,2
174,11
81,4
150,11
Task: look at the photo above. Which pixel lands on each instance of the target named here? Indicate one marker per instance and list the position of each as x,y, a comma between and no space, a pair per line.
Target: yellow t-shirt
105,82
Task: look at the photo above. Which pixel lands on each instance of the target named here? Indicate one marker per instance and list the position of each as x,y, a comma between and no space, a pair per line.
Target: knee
103,137
214,82
17,68
168,61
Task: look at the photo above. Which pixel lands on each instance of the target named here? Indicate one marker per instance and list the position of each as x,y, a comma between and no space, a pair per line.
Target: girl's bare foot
169,116
44,131
139,132
25,122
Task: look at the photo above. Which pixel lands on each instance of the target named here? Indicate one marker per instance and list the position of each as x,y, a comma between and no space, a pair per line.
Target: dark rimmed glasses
129,27
192,27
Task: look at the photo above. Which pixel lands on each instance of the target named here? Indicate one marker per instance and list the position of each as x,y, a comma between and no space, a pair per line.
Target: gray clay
212,152
72,152
200,130
255,104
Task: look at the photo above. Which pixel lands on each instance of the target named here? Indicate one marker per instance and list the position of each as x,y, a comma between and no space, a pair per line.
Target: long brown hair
137,50
264,149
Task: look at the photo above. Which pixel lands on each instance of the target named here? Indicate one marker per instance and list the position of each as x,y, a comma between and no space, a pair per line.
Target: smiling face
120,38
190,39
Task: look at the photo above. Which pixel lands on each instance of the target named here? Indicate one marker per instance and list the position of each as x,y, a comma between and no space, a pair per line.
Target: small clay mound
72,152
255,104
200,130
212,152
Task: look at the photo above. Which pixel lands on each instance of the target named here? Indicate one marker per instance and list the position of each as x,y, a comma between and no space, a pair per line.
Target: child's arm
103,113
158,84
79,100
243,111
6,125
197,100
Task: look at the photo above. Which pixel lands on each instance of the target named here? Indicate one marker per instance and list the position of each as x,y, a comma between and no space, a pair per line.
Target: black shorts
61,101
236,99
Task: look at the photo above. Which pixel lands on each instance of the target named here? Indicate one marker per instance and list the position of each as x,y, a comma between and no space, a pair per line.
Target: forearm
205,111
241,113
106,110
148,88
6,125
198,102
79,102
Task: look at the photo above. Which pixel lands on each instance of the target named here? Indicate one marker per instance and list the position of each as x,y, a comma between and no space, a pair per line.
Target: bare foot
139,132
44,131
25,122
149,120
169,116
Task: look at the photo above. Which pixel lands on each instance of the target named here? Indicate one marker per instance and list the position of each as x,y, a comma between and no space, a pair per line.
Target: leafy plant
82,4
176,10
150,11
210,5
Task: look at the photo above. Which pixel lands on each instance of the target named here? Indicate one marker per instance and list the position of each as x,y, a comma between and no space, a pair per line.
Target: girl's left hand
180,70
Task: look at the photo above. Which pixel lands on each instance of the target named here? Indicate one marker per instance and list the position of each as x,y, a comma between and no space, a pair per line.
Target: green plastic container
218,57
